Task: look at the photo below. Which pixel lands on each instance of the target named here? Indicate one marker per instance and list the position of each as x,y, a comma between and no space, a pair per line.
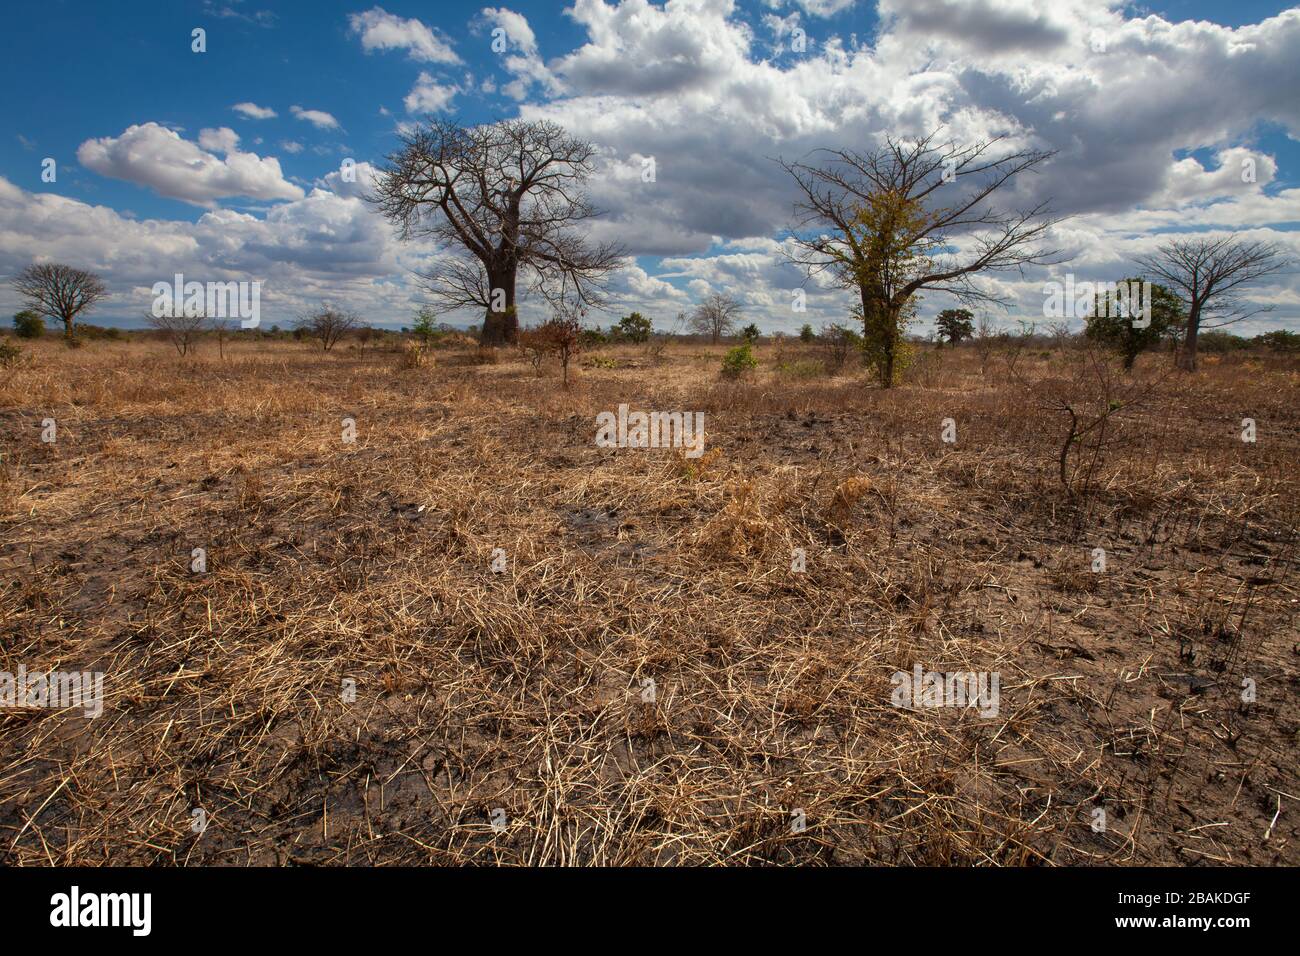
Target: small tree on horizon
223,328
884,224
60,292
716,316
183,331
955,325
425,325
1118,333
506,200
28,324
636,328
365,335
1207,274
328,325
563,334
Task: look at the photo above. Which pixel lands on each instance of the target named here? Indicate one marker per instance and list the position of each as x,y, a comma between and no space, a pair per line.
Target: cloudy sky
226,164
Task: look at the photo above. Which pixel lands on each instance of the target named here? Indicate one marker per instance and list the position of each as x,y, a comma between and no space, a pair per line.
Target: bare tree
183,331
509,195
535,345
716,316
60,292
365,335
223,329
883,223
987,340
327,325
1207,275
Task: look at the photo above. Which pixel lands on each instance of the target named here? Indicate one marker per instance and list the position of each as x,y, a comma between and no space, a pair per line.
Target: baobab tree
60,292
716,316
885,223
1207,275
508,197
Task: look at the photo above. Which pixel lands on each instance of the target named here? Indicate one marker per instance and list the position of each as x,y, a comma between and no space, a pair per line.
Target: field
643,678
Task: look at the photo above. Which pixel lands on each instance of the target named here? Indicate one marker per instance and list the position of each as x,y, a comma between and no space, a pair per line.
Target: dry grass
647,682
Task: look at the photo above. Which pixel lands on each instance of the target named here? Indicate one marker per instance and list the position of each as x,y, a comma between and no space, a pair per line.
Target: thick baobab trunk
1187,358
880,332
501,327
889,346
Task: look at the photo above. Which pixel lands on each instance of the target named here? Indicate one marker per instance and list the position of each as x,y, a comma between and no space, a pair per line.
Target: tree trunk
501,328
69,322
1187,360
887,371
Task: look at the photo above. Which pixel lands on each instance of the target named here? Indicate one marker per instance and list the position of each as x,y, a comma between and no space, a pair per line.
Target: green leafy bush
1216,341
635,328
28,325
1280,341
738,361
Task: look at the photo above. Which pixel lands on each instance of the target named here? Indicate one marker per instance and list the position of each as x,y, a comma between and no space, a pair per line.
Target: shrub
1216,341
412,355
425,325
29,325
563,335
738,361
534,343
1280,341
11,356
90,332
806,334
838,343
635,328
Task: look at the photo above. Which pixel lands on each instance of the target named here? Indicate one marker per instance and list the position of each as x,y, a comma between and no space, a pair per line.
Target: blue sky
709,87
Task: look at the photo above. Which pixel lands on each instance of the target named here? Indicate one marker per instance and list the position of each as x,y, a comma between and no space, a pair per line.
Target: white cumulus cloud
253,111
381,30
158,158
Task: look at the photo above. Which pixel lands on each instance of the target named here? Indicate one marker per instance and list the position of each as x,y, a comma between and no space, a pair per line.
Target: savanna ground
525,690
